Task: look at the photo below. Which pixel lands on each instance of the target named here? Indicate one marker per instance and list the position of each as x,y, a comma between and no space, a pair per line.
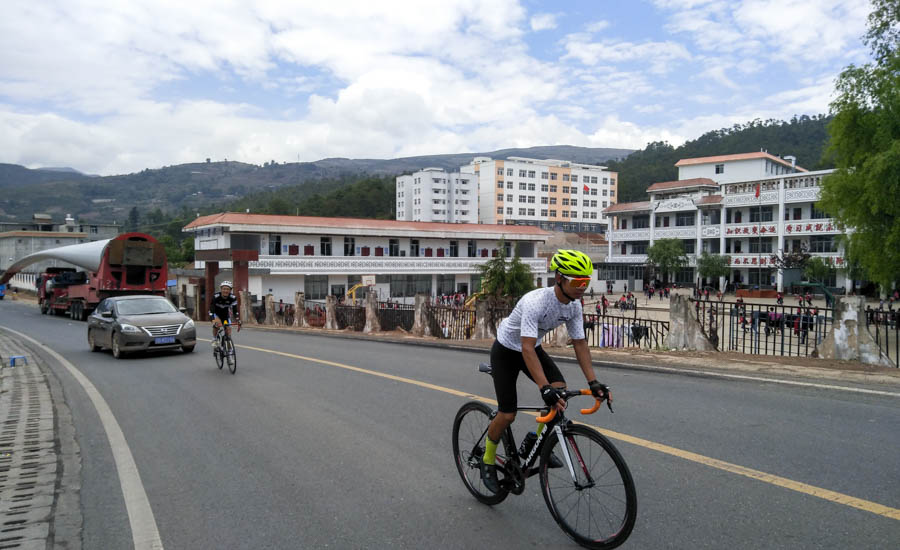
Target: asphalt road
304,453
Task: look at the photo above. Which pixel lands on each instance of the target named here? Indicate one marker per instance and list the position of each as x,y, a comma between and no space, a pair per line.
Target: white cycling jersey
536,314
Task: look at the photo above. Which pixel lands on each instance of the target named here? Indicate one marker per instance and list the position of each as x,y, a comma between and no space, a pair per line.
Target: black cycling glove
600,391
550,395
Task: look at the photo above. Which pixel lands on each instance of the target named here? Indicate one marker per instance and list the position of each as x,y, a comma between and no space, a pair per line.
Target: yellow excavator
351,294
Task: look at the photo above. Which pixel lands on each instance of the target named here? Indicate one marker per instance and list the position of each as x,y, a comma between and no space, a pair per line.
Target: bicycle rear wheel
230,355
597,509
469,429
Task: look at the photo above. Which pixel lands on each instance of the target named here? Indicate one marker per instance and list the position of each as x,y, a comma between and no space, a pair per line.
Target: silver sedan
128,324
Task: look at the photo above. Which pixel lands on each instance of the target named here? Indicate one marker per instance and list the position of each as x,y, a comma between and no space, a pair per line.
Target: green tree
713,265
667,255
817,270
134,219
864,192
505,281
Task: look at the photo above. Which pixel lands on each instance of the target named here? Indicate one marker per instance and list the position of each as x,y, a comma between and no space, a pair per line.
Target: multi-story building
322,256
748,207
551,194
21,238
433,195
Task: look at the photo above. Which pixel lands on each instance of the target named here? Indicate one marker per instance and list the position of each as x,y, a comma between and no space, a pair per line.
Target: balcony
355,265
630,234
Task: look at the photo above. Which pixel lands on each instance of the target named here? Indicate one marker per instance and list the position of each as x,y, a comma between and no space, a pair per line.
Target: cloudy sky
115,87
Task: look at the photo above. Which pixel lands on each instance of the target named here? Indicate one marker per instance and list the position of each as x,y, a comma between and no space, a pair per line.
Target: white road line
144,532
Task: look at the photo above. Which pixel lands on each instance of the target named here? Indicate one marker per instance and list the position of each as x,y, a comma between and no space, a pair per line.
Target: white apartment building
433,195
748,206
328,256
555,195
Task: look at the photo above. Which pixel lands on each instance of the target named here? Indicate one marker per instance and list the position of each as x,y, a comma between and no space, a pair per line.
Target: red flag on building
587,189
757,189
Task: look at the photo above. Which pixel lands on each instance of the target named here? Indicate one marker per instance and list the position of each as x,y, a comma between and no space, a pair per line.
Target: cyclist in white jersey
518,349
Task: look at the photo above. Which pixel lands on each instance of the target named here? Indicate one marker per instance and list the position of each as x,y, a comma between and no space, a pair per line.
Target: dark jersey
222,307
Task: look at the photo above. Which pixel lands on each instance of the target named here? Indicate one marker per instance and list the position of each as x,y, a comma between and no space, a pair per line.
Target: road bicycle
224,353
592,496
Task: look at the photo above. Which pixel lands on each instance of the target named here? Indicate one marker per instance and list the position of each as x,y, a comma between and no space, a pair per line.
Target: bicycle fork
564,448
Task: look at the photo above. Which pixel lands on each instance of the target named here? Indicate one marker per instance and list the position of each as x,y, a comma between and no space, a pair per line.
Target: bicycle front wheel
230,356
597,508
219,356
469,430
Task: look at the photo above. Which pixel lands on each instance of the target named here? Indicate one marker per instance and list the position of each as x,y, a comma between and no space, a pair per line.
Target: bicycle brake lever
609,405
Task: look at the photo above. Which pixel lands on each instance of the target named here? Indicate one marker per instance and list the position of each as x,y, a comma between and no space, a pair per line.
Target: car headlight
189,324
130,328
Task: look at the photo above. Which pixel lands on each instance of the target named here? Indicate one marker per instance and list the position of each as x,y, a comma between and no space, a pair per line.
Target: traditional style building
748,207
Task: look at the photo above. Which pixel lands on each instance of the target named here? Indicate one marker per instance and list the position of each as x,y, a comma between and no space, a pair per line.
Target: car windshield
145,306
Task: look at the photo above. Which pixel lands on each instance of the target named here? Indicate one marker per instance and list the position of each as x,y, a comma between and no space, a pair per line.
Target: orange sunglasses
577,282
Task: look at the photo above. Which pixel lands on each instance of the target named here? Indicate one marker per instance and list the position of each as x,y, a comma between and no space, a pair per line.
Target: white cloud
543,22
662,56
597,26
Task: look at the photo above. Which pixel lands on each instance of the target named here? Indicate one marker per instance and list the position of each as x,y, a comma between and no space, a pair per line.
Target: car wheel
117,347
91,342
187,349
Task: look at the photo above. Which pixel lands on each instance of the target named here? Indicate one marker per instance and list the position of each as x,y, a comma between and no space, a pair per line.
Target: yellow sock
490,450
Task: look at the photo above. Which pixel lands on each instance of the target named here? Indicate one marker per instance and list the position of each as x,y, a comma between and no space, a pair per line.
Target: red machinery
132,263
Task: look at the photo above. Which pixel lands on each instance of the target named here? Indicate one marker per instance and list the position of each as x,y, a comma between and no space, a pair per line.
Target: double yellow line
818,492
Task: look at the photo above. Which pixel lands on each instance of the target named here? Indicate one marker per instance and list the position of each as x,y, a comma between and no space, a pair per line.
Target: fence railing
762,329
315,313
353,317
451,322
611,331
884,326
392,316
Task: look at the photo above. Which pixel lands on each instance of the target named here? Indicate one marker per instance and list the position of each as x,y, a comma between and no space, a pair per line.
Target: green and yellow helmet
572,263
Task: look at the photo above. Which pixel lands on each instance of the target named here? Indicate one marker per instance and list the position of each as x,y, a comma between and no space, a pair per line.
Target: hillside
197,186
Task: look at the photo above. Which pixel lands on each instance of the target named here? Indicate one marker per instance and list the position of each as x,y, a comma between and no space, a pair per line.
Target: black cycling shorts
506,364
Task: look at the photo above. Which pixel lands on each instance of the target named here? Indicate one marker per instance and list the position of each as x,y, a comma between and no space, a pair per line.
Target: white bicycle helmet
226,283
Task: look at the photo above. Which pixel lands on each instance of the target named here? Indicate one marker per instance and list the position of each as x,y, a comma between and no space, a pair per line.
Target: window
552,200
553,176
553,189
454,249
543,200
544,175
509,198
565,213
472,249
574,178
737,247
499,197
816,214
594,179
349,246
508,211
522,173
594,191
574,202
521,211
509,171
315,287
522,198
822,243
499,171
684,219
688,245
612,192
640,222
522,186
565,177
530,199
531,211
760,214
639,248
798,214
394,247
604,204
531,187
531,173
94,229
414,246
509,185
543,211
761,246
499,185
565,188
593,204
407,286
552,213
500,210
544,187
274,245
565,202
720,169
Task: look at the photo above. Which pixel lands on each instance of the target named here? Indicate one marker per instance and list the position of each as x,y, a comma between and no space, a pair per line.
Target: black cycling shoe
489,477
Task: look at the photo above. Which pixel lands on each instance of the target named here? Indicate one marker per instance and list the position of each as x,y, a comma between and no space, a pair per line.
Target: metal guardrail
763,329
451,322
353,317
610,331
884,326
